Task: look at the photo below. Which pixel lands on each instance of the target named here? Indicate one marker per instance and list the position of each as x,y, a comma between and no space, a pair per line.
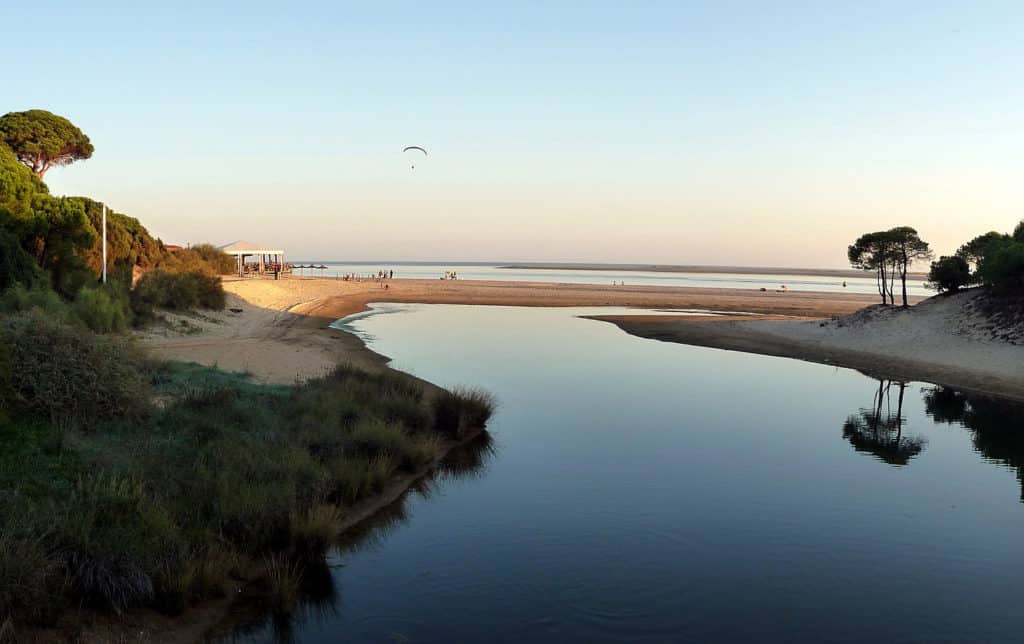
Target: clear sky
764,133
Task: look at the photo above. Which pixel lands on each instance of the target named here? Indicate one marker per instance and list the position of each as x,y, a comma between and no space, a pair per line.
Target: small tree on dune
42,140
874,252
907,248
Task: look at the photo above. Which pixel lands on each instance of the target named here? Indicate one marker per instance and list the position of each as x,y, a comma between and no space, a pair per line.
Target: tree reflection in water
878,430
996,425
319,597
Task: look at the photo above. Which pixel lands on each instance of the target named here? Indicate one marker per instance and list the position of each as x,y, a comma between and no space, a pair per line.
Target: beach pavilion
265,259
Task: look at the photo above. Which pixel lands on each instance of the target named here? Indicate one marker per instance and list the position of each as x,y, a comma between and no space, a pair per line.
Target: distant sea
804,281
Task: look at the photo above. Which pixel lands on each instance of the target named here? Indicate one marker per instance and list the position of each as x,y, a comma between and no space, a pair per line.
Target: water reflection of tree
320,596
878,430
996,425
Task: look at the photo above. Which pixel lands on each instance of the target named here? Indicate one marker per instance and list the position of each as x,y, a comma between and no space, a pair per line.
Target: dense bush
103,309
177,291
1003,266
16,266
40,298
203,258
70,377
998,259
949,274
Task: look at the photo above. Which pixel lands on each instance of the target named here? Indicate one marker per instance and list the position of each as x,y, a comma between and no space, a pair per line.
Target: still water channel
635,490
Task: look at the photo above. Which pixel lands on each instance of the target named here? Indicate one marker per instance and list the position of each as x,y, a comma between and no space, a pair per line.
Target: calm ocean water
639,491
477,271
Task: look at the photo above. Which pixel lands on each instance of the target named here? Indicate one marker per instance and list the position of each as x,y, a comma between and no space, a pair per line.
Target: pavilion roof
242,247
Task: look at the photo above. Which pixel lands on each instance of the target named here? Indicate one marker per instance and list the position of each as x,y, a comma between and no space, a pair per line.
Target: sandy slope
939,340
279,329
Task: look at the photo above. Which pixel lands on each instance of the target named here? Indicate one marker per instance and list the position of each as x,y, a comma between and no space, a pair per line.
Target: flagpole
104,243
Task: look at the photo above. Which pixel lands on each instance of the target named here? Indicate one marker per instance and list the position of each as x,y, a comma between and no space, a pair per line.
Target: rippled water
646,491
420,270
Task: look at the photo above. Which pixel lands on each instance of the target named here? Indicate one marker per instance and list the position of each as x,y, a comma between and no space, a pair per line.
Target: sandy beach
938,341
278,330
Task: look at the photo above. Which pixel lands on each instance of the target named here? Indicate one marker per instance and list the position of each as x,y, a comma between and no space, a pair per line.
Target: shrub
203,258
949,274
177,291
103,309
1003,266
41,298
70,376
459,411
16,266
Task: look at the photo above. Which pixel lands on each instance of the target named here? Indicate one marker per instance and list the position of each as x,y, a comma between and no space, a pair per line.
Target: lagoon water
646,491
484,271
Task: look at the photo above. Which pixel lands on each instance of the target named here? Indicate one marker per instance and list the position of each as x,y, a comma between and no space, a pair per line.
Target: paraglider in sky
414,147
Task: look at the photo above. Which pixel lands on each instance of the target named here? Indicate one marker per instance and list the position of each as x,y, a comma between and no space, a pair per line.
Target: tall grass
161,506
285,579
460,411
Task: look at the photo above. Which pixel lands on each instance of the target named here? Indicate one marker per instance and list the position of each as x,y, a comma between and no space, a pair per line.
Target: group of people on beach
379,277
450,275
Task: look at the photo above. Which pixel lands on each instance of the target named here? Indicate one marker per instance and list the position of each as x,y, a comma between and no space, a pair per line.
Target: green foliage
69,377
204,258
949,274
104,309
41,139
39,298
129,244
161,510
16,266
1003,266
889,253
18,186
177,291
974,250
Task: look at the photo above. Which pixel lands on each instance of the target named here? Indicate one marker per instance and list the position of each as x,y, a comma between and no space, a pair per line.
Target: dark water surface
645,491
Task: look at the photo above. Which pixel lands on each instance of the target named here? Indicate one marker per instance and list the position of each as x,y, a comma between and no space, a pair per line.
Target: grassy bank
126,483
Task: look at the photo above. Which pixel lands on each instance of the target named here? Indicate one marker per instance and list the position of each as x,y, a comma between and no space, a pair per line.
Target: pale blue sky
714,132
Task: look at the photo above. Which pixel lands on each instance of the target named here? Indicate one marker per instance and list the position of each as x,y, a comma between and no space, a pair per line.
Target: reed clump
112,502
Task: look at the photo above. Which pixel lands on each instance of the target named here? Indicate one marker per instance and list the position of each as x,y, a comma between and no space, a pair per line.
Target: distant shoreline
724,270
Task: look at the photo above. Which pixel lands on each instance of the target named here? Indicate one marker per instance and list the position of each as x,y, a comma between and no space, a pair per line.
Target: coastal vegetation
42,140
127,482
889,254
994,260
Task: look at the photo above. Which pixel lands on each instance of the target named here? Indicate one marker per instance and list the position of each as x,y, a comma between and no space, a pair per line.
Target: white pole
104,243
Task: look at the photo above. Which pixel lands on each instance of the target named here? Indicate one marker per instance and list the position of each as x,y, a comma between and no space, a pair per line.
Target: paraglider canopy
414,147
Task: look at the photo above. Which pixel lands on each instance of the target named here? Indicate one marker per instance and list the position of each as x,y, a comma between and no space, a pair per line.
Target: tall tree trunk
881,271
903,276
892,283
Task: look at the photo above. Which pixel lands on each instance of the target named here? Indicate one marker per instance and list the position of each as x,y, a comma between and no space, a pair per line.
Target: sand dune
942,340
